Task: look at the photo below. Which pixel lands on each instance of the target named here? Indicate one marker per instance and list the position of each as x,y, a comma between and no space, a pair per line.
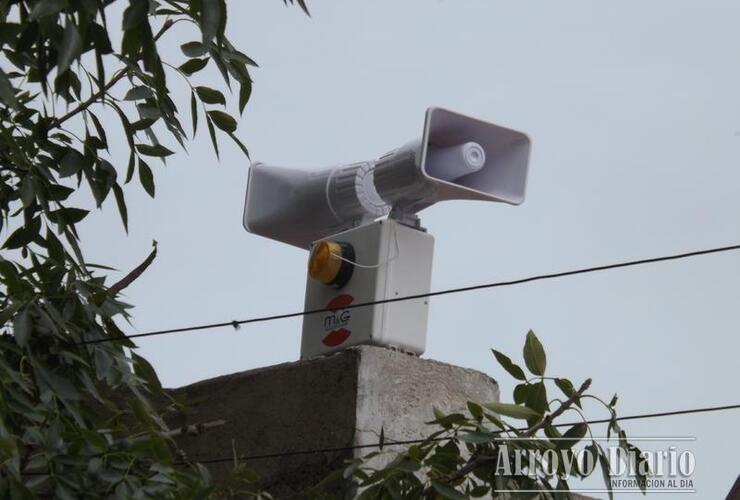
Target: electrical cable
420,441
529,279
374,266
406,442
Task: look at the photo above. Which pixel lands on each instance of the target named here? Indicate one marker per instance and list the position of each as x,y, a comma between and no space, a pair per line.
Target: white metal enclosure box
391,260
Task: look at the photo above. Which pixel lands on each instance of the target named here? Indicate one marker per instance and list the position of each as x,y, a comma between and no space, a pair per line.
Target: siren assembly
359,222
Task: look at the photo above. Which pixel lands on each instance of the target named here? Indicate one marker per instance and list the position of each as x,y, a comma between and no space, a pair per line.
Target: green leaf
93,143
7,313
552,432
143,369
537,398
221,65
62,386
604,463
245,92
508,365
100,39
240,144
448,491
146,177
153,150
351,468
194,112
447,421
513,411
22,327
438,414
566,386
212,133
28,191
18,239
45,8
242,58
613,401
534,355
193,65
573,435
302,3
70,48
210,96
131,166
24,235
521,392
68,215
9,32
224,121
148,111
138,93
212,12
55,247
7,91
135,14
99,128
121,203
477,437
475,410
193,49
71,163
143,124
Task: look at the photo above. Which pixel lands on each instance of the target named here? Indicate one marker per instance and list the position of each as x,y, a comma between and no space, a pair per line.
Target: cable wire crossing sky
529,279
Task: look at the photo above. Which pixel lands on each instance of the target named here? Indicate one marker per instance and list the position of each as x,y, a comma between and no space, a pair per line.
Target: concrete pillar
333,402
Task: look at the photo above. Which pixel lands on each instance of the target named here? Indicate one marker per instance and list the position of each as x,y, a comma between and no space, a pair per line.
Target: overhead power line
407,442
520,281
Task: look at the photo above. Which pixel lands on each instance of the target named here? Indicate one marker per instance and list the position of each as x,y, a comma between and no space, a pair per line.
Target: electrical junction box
388,260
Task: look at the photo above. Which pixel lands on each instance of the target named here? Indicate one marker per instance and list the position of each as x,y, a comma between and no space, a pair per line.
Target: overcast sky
634,113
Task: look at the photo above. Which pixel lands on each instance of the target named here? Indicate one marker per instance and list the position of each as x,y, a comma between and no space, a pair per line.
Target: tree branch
476,460
90,100
561,409
101,93
133,275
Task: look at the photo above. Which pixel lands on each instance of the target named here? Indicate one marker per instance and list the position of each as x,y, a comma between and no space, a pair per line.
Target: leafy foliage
474,455
77,420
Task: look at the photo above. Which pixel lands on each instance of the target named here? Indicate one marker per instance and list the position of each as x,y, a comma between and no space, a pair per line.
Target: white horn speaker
457,157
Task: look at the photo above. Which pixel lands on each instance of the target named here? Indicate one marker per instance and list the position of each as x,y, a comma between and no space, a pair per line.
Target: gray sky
634,113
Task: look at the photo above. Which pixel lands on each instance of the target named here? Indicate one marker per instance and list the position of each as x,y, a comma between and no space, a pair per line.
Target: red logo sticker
335,322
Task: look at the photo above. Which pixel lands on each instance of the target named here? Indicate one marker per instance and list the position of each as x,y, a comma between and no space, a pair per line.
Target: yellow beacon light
330,263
